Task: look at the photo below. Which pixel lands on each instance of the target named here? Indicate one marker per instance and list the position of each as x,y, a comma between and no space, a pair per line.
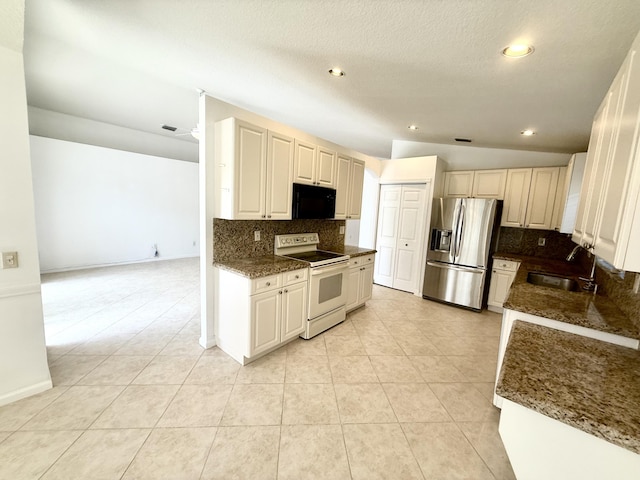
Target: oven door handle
328,269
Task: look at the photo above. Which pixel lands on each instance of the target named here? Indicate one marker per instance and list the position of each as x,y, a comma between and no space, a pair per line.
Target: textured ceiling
434,63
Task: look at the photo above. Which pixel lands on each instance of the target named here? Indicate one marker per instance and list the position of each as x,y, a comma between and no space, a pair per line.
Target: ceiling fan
194,132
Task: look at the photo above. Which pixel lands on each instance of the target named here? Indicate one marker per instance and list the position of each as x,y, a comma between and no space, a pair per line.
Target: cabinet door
265,321
294,310
353,287
489,184
458,184
564,177
602,165
583,229
618,202
250,171
516,195
326,169
542,194
304,163
356,182
499,288
279,176
342,186
366,284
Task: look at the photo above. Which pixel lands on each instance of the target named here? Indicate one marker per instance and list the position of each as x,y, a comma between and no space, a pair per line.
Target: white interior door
388,219
408,263
399,242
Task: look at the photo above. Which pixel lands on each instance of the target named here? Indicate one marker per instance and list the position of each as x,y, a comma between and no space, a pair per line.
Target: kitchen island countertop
588,384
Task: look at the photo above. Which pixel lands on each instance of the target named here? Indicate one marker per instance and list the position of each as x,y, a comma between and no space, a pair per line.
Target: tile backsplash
235,238
524,241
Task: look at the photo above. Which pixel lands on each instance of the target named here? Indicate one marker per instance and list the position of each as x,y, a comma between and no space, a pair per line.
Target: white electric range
327,280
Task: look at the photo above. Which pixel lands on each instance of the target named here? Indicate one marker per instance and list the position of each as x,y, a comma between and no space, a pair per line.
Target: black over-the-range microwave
310,201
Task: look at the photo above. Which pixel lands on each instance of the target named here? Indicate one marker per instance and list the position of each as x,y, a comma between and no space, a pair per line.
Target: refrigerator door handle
448,266
460,228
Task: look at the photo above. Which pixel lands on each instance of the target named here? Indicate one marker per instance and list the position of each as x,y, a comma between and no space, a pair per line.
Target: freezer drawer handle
454,267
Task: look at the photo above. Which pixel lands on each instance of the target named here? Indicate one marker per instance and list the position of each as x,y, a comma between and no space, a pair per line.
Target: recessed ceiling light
527,133
337,72
517,50
412,127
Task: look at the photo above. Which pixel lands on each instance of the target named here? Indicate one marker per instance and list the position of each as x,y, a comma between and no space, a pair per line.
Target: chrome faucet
573,253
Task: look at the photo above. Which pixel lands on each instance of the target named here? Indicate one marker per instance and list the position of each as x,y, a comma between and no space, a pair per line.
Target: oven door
327,288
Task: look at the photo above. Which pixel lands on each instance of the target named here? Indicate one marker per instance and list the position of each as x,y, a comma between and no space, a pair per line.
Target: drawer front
508,265
296,276
264,284
361,261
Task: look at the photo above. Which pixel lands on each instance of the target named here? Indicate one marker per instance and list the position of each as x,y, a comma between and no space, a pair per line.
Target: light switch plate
341,229
9,260
542,241
256,235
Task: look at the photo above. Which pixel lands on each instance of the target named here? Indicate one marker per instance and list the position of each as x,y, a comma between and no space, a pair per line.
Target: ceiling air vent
170,128
465,140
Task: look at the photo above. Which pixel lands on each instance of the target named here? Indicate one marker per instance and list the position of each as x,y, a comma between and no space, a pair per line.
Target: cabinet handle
268,284
286,291
263,216
297,276
406,244
268,216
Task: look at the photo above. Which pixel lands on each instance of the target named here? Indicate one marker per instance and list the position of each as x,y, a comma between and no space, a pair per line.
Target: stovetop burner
303,247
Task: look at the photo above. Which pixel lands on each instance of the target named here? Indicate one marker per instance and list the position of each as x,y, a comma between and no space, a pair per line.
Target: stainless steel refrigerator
459,247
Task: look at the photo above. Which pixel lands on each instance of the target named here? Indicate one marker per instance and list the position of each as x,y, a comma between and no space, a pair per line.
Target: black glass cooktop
315,256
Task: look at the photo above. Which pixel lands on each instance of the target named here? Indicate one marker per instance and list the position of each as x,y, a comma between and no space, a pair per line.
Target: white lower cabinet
360,281
256,316
502,275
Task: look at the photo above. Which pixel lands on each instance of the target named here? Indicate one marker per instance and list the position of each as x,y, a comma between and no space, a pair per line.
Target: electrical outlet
341,229
256,235
542,241
9,260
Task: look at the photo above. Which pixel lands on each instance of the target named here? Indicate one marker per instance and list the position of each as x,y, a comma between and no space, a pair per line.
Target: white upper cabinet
356,188
475,183
542,195
609,211
529,197
570,198
458,184
515,197
326,170
349,185
489,184
255,172
314,165
279,176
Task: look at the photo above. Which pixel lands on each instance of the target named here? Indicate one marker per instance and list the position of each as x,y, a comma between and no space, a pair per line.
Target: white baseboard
25,392
208,342
18,290
128,262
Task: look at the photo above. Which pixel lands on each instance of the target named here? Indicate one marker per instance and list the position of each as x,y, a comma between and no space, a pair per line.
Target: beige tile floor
400,390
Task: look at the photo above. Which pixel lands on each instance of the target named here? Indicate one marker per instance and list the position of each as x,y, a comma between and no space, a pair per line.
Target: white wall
410,170
99,206
461,157
23,359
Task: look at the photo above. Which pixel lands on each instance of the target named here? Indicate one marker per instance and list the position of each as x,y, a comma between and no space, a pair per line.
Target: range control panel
295,239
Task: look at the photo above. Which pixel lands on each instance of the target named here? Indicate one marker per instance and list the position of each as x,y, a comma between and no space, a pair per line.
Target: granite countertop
585,383
354,251
584,309
256,267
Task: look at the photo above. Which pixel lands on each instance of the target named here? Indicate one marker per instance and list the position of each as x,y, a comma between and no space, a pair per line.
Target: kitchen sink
553,281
